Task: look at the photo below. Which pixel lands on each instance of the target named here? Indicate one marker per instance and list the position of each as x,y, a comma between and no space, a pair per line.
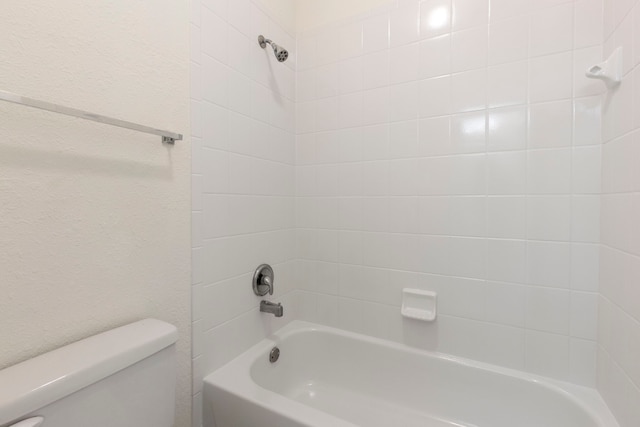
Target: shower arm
264,41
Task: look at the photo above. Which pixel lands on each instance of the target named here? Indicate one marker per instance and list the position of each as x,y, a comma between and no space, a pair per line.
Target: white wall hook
609,71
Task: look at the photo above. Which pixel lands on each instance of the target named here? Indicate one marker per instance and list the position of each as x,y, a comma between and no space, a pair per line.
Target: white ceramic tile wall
243,115
619,304
438,146
442,147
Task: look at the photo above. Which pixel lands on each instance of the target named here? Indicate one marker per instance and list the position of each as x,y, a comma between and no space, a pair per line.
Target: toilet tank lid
38,382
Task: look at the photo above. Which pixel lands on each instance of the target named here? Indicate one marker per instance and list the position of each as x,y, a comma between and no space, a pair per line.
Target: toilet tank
125,377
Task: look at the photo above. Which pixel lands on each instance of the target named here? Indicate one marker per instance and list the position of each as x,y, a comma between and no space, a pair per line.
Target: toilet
125,377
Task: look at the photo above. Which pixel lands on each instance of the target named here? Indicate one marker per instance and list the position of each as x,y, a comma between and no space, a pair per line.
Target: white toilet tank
125,377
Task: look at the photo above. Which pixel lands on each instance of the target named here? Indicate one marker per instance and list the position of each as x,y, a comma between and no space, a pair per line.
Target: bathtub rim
233,379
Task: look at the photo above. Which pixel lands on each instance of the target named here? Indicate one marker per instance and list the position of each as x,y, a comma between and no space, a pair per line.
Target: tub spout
272,308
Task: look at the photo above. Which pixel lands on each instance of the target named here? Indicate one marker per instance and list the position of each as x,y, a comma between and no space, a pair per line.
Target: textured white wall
94,220
447,148
619,316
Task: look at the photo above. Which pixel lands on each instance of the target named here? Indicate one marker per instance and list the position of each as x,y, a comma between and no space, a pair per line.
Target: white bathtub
332,378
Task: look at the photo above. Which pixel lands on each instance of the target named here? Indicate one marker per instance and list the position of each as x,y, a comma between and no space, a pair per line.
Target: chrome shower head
281,53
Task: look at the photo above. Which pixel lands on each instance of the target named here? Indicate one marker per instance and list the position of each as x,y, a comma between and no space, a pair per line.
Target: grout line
441,275
471,319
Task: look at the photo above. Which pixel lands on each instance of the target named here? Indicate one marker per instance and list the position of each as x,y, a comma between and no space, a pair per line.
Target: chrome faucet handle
266,281
263,280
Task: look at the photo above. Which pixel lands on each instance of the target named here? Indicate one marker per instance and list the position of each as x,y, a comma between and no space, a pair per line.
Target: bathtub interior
370,384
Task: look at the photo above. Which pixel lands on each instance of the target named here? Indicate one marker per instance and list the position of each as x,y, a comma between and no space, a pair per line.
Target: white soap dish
419,305
609,71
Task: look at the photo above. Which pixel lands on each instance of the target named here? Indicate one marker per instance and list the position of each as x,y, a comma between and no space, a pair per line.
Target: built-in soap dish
609,71
419,305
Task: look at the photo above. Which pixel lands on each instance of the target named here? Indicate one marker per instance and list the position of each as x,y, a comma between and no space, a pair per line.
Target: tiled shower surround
619,316
447,148
447,145
243,118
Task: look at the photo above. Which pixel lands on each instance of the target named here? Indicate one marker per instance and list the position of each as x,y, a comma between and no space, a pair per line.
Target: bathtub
332,378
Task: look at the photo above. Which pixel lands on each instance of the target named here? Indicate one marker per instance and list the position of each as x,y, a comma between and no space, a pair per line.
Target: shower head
281,53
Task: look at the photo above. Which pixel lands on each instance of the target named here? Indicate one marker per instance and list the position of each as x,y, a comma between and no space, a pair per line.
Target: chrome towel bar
167,137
